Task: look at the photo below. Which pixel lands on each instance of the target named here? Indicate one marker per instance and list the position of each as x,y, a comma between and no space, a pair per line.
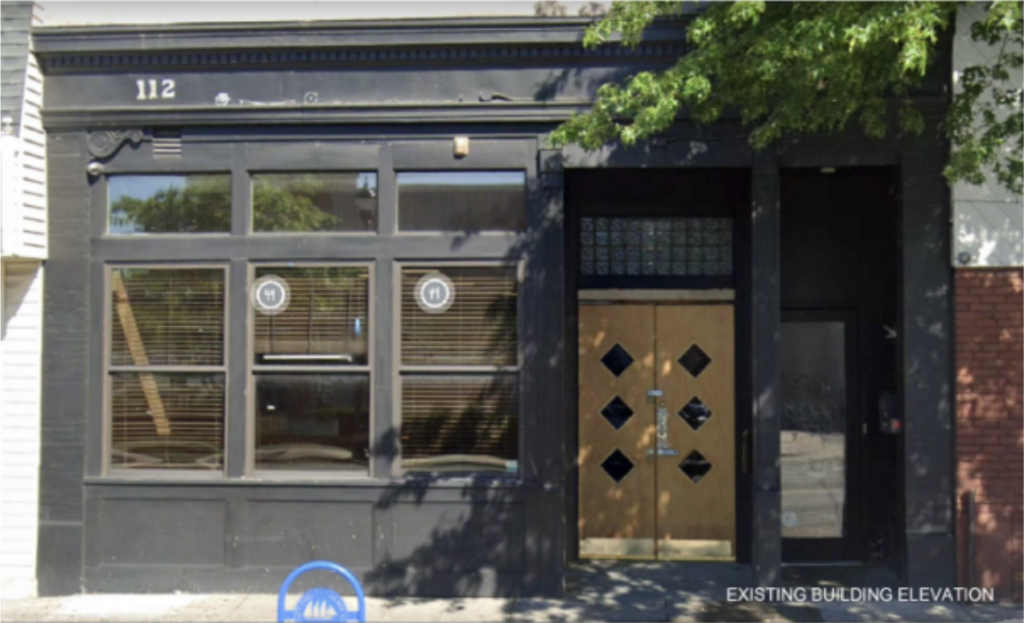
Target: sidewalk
596,591
262,608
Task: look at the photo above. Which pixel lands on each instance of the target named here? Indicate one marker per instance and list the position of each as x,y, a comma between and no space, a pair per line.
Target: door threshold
825,563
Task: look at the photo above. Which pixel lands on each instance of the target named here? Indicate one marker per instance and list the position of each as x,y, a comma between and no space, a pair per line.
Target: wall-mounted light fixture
460,145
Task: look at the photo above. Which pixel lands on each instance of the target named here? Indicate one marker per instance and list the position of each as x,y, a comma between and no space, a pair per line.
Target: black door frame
744,434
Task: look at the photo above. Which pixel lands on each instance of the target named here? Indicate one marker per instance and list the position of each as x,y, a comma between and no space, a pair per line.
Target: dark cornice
413,113
248,36
269,44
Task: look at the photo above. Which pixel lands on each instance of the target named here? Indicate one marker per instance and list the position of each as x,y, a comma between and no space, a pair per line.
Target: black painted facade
390,96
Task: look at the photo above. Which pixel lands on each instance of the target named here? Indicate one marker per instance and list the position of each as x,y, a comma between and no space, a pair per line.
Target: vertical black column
926,361
543,340
766,552
236,428
385,442
66,361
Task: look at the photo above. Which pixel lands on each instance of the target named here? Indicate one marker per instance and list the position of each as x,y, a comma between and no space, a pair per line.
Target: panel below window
167,420
313,422
465,423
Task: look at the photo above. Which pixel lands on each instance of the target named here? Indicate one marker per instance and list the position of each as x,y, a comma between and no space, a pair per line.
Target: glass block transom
660,247
695,413
617,360
617,465
695,360
695,466
617,412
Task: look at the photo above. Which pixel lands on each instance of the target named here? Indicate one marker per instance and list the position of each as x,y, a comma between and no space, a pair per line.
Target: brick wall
990,425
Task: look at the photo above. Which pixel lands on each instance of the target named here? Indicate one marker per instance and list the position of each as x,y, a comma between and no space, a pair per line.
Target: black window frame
245,152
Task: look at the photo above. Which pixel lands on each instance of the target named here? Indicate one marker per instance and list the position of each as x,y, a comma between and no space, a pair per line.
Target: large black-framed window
166,367
459,370
254,379
311,371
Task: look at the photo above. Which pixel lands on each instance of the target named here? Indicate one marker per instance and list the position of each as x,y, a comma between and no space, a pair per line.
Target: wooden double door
657,473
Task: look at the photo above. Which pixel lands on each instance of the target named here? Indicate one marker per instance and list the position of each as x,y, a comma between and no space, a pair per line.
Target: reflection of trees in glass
202,203
290,206
314,201
809,406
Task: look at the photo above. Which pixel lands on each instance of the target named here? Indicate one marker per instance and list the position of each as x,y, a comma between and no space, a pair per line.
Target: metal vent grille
167,143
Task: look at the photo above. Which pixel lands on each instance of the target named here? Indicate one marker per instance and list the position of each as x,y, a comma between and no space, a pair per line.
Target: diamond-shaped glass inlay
695,413
617,360
695,360
617,412
695,466
617,465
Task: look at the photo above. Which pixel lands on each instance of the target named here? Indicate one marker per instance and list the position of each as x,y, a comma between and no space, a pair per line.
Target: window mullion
237,359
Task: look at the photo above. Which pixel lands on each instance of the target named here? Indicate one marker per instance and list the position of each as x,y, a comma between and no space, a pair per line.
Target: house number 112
155,89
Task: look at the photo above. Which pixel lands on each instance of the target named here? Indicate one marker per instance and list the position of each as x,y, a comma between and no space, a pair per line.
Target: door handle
745,449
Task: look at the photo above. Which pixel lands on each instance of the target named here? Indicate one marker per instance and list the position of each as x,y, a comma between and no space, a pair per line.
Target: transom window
169,204
463,201
314,202
656,247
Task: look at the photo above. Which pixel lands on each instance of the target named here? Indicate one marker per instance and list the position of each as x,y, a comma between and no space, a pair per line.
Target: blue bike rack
321,604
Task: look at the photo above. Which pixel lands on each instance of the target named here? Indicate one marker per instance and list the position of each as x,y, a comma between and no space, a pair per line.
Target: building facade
988,252
323,290
22,253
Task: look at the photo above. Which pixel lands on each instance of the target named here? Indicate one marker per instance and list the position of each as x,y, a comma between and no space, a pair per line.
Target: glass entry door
819,438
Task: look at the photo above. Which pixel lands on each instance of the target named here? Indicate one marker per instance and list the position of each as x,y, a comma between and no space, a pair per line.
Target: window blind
478,329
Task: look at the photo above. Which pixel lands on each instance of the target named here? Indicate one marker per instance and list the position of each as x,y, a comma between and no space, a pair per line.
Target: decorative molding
105,143
239,59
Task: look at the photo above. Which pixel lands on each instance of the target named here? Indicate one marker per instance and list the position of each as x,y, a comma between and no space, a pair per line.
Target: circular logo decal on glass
789,519
435,293
270,295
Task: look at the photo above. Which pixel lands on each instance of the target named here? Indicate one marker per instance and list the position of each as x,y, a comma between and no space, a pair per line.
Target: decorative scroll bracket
105,143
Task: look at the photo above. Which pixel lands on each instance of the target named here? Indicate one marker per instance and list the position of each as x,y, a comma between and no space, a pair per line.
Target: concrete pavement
629,608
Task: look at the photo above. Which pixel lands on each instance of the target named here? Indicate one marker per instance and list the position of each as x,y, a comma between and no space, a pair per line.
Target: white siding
24,172
20,371
988,220
33,165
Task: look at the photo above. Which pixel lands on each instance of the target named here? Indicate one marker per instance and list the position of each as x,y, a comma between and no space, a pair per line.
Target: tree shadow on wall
484,531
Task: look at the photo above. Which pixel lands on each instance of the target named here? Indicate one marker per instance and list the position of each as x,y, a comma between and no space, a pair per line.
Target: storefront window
460,408
167,368
326,321
462,201
312,375
169,204
314,202
313,422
